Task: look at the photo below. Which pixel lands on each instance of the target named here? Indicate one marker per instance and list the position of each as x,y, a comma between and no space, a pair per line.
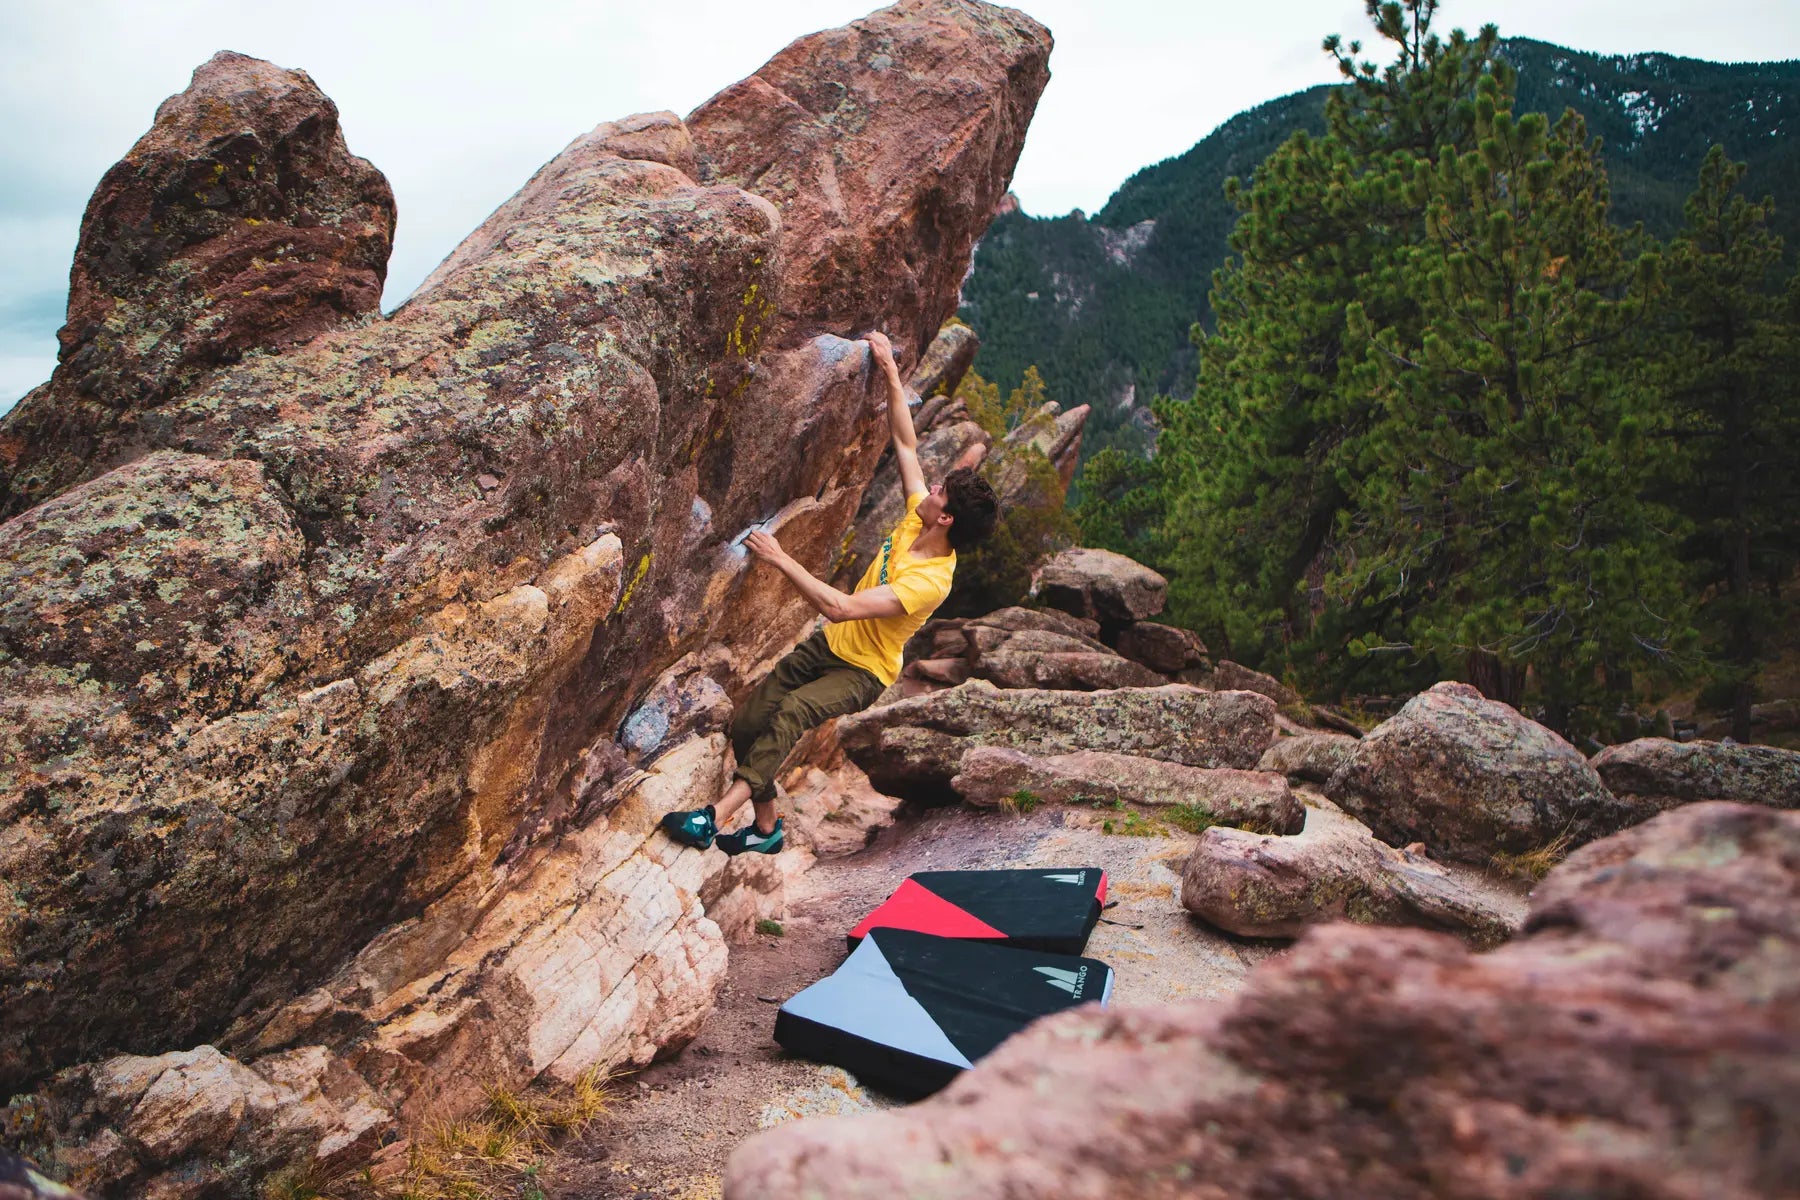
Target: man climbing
843,667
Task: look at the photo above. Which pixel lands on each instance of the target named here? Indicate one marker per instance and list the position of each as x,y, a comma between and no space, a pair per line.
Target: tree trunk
1496,680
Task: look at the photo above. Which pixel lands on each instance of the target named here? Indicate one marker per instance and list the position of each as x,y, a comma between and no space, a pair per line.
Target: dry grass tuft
1533,865
499,1151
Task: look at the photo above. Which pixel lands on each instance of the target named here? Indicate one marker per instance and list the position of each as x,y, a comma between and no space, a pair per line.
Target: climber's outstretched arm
832,604
900,426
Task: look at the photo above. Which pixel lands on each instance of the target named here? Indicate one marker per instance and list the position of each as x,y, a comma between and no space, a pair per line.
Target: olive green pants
807,687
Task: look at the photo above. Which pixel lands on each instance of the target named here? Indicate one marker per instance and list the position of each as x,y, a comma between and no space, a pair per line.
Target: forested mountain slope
1103,305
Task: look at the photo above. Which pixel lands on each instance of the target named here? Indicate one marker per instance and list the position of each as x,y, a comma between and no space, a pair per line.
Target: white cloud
459,101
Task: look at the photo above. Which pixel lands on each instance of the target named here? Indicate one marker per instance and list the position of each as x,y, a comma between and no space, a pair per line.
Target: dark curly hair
972,503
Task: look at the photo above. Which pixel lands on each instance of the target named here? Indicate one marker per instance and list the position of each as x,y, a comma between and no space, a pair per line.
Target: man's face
932,506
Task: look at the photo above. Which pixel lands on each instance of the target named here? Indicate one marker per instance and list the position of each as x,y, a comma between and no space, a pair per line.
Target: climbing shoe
694,828
751,840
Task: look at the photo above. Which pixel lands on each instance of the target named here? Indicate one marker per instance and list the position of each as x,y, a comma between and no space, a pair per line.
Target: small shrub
1022,801
768,927
1135,825
1194,818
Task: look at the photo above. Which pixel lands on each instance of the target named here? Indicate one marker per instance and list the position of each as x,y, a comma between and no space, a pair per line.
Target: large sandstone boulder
1472,778
1658,773
990,776
1639,1039
1335,870
1099,585
325,719
915,746
239,222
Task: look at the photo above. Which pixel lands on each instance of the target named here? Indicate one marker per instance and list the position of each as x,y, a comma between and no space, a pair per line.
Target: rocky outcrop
1312,757
914,747
351,674
19,1180
239,222
1656,773
1022,648
945,361
1099,585
1471,778
1051,433
1261,886
990,776
1638,1039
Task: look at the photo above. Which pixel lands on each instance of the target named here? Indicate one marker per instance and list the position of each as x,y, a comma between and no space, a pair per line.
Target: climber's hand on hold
765,547
882,349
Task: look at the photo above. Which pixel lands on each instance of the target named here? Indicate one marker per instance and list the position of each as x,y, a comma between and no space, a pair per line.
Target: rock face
239,222
384,627
1658,773
1336,870
988,776
1100,585
1470,778
1639,1039
914,747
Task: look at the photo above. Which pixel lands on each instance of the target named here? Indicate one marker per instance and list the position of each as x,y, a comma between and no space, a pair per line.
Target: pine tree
1506,483
1729,339
1260,465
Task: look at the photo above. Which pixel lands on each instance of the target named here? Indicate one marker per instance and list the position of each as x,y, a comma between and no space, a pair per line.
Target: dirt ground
676,1123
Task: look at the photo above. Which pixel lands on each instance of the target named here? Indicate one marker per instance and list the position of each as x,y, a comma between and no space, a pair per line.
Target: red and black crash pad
1051,909
907,1012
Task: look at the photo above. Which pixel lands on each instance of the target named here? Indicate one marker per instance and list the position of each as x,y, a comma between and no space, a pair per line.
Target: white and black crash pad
907,1012
1051,909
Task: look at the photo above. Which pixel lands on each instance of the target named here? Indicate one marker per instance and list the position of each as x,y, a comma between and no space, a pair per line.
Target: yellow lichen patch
637,575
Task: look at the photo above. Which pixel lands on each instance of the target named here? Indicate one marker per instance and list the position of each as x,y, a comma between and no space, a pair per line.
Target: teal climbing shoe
751,840
694,828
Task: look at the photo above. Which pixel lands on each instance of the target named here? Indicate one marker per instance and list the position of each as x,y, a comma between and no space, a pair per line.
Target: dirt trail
677,1122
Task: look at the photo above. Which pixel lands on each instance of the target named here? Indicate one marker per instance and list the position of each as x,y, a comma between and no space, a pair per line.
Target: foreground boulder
914,747
1471,778
1099,585
1336,870
334,718
990,777
1638,1039
1656,773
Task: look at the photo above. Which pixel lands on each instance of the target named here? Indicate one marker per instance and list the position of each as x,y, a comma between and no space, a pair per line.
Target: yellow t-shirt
921,583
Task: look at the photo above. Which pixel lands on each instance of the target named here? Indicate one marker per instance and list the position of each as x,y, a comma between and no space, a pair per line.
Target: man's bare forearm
829,601
900,425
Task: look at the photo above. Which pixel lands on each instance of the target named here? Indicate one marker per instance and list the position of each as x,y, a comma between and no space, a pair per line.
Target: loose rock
1335,870
990,776
914,747
1658,773
1099,585
1472,778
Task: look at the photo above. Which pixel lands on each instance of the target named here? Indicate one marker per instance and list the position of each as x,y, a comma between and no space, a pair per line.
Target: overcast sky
458,101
